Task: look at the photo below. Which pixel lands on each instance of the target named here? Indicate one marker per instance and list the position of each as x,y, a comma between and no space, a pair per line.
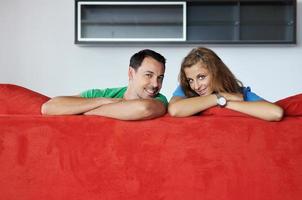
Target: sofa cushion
19,100
292,105
224,112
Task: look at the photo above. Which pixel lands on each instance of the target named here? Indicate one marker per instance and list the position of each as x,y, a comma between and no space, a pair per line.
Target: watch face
222,101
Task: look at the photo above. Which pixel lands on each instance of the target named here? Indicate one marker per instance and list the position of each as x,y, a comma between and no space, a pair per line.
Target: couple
205,82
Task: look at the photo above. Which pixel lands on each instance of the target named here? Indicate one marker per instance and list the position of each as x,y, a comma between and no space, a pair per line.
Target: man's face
146,82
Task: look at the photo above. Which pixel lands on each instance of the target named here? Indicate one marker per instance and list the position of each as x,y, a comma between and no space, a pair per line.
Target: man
140,100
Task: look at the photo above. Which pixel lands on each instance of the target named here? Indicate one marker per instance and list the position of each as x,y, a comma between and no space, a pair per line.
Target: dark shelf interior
207,21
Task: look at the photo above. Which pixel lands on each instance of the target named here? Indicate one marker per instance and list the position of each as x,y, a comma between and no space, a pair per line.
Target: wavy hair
223,80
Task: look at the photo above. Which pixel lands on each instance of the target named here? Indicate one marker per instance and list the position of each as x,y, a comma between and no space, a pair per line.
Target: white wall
37,52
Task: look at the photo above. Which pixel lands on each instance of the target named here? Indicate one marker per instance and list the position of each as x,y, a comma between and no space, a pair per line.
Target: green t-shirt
115,93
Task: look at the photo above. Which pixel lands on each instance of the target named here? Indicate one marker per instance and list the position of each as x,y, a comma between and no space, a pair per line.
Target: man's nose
155,82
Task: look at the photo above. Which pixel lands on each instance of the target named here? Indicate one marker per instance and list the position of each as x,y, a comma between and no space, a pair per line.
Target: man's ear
131,73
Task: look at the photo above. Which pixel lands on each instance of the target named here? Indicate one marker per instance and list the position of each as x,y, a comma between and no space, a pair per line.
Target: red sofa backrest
19,100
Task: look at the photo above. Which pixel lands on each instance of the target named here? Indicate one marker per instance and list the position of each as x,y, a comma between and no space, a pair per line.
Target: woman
205,82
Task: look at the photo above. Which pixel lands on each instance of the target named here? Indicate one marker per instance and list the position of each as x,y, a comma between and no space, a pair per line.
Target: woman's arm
184,107
259,109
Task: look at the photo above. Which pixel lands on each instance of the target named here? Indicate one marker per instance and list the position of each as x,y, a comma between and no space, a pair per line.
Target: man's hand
137,109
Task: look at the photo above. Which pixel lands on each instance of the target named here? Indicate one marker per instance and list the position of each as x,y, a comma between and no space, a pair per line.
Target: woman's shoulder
248,95
178,92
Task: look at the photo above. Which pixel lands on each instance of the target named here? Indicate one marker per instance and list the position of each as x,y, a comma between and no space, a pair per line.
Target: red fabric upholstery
292,105
80,157
202,157
19,100
223,112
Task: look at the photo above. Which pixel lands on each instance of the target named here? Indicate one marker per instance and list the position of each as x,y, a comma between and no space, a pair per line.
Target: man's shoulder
160,95
162,98
116,89
116,92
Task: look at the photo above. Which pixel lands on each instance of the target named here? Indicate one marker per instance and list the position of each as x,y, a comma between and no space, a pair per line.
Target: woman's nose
196,85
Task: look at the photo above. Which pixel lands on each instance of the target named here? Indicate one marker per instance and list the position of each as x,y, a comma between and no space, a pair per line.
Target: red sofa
220,155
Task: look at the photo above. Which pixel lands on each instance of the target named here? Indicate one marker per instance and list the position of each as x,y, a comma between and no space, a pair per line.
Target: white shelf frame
184,29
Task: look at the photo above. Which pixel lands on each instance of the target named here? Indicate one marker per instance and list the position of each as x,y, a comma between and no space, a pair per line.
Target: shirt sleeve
163,99
93,93
178,92
248,95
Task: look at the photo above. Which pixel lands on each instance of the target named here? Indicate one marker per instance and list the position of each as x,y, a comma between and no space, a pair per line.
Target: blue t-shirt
248,95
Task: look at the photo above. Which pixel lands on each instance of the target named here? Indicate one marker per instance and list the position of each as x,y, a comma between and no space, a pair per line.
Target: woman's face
199,79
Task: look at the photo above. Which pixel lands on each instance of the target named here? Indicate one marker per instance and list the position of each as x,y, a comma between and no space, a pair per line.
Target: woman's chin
203,93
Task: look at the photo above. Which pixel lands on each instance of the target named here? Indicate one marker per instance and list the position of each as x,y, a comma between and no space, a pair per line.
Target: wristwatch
221,100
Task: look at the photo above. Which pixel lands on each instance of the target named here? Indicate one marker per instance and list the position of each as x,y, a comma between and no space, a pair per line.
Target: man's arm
138,109
70,105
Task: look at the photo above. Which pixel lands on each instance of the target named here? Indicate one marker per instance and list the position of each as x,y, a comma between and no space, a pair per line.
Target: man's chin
150,96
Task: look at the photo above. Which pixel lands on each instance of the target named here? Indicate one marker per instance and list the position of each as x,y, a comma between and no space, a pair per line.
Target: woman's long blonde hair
223,80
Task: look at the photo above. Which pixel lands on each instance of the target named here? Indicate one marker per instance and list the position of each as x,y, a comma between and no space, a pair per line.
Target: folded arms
117,108
183,107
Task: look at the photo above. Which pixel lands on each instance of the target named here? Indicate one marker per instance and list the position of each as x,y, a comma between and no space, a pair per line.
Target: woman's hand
184,107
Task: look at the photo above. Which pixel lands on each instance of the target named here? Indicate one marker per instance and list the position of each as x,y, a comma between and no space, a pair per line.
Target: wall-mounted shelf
195,21
129,21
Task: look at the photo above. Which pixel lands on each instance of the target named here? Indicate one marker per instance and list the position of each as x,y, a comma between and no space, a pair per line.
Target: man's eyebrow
162,75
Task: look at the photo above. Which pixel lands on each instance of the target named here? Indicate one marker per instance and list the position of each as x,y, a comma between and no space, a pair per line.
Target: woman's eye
201,77
190,81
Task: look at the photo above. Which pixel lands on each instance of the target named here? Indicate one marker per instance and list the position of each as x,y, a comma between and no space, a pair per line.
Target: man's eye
148,75
161,78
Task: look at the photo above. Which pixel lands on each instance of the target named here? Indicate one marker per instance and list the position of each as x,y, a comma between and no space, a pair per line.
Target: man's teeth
151,91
